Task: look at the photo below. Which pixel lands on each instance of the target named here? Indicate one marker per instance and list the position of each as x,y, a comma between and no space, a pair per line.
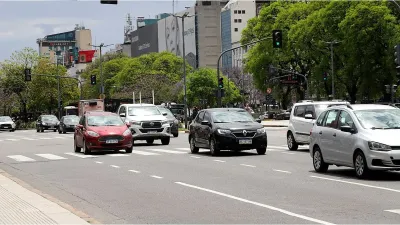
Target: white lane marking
21,158
359,184
289,153
216,160
143,153
59,137
257,204
1,140
11,139
114,166
50,156
98,162
275,150
247,165
118,154
196,157
183,149
80,155
154,176
166,151
282,171
397,211
278,147
29,139
134,171
45,138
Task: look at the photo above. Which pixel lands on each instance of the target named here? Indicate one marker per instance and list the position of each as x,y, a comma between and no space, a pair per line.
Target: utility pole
331,43
101,65
58,89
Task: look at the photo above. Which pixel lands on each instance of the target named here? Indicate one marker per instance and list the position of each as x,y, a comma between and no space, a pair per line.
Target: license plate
112,141
245,142
52,127
152,131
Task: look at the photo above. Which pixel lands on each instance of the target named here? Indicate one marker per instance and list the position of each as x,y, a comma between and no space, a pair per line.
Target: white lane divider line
183,149
247,165
29,139
50,156
59,137
45,138
114,166
143,153
98,162
21,158
10,139
157,177
278,147
257,204
166,151
282,171
359,184
134,171
289,153
196,157
397,211
80,155
118,155
216,160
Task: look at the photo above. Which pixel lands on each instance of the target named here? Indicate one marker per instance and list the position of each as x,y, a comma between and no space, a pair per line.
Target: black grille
5,126
248,133
151,124
111,137
396,162
145,131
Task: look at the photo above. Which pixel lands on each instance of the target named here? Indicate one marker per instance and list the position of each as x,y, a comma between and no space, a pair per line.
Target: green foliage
25,125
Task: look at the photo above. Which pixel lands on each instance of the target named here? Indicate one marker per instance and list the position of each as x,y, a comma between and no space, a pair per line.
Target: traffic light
109,2
28,75
397,55
277,38
325,76
93,79
221,83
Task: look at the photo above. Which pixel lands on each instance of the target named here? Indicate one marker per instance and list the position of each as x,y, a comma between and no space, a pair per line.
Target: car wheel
64,131
76,148
41,130
150,141
54,130
165,141
193,148
129,150
291,142
360,165
37,129
176,134
59,130
86,150
261,151
213,147
318,161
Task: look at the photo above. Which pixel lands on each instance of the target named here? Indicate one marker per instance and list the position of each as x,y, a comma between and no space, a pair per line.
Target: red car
102,131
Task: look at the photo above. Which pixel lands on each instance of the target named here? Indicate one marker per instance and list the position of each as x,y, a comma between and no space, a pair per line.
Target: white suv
146,122
301,121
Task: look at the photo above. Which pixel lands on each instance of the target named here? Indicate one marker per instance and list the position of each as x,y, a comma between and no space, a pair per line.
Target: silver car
364,137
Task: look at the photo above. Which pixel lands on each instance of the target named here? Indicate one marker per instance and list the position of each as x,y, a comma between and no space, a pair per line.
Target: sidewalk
18,205
275,123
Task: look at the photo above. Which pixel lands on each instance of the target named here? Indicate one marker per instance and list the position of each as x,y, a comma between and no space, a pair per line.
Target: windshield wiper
378,128
241,121
393,128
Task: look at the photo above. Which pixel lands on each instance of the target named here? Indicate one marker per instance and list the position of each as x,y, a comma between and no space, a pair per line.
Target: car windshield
5,119
231,116
164,110
109,120
49,119
379,118
143,111
72,120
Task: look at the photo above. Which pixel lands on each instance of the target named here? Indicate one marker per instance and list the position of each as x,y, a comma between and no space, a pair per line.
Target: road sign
269,90
102,96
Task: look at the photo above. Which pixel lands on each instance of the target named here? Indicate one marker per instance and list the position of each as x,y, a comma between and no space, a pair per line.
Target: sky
22,22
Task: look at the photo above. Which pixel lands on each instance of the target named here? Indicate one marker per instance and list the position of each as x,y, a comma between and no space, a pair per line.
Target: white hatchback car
364,137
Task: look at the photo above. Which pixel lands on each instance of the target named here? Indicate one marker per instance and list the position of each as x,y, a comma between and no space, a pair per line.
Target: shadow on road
206,152
350,174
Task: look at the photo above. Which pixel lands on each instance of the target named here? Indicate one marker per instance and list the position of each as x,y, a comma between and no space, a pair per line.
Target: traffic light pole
101,65
219,98
287,71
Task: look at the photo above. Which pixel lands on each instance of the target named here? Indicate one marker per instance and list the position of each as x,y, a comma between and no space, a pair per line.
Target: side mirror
258,120
309,116
205,122
347,129
165,114
122,115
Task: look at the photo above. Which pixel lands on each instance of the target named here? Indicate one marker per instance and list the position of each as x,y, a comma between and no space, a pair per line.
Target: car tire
213,147
150,141
37,130
86,150
129,150
59,130
76,148
41,130
360,165
291,142
54,130
261,151
165,141
193,148
318,161
176,134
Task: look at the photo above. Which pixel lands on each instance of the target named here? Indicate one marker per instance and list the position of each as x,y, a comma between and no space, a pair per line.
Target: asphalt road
167,184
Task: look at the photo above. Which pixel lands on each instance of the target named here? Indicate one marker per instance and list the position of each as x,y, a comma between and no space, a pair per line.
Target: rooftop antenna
128,28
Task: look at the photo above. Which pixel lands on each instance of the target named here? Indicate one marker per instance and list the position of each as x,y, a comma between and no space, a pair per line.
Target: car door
298,123
79,131
206,129
345,140
328,134
197,128
308,123
122,110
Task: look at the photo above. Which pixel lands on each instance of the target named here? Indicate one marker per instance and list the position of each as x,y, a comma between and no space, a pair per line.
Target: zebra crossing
18,137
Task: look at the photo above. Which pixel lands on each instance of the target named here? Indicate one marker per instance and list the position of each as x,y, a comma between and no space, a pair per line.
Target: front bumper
68,127
49,127
230,142
139,133
7,126
95,143
378,160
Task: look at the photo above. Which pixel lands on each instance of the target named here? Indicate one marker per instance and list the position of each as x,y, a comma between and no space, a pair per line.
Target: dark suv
227,129
47,122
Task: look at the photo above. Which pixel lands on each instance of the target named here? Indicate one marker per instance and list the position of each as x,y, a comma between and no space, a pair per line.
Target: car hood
387,137
71,124
109,130
239,126
8,122
147,118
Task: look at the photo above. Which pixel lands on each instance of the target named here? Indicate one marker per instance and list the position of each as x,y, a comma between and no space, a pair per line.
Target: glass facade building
226,38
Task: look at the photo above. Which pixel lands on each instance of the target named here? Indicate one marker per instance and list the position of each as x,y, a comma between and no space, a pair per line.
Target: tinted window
231,116
345,119
199,117
109,120
72,120
330,120
207,116
49,118
310,110
321,119
299,111
122,110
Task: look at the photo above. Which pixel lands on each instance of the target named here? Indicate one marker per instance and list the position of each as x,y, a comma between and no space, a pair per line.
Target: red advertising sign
86,56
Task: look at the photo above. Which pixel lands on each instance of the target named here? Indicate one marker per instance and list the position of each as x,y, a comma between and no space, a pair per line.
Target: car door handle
334,135
320,132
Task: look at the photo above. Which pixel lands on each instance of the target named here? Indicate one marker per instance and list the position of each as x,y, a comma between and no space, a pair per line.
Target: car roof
223,109
100,113
321,103
138,105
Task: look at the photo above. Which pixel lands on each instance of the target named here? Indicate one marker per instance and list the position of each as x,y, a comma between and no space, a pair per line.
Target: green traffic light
277,43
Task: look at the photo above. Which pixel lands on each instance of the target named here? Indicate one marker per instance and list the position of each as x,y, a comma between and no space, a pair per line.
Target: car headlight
44,124
138,123
127,133
93,134
224,131
176,121
261,131
378,146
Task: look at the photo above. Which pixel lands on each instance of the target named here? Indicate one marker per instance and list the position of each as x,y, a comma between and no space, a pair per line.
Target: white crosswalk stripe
80,155
166,151
183,149
143,153
50,156
21,158
117,155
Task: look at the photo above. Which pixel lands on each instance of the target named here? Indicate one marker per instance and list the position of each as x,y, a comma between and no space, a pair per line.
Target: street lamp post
101,65
331,43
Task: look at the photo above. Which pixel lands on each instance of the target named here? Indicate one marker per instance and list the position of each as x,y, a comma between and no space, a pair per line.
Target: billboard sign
144,40
170,35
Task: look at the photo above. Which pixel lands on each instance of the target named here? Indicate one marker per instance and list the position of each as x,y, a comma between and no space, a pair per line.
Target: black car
47,122
68,123
227,129
173,122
